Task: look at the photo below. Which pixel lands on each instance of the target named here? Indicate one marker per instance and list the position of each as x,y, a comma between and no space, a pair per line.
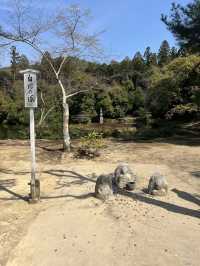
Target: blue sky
130,25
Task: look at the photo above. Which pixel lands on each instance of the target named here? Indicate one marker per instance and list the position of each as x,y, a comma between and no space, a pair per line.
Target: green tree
164,53
45,69
14,61
23,62
153,59
138,99
88,105
103,100
173,53
138,63
184,23
147,56
138,69
150,58
162,97
175,88
120,101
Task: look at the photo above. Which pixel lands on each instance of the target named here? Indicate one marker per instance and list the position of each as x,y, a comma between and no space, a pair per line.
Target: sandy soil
70,227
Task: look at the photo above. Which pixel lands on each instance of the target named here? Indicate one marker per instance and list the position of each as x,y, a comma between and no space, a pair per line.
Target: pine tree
154,59
184,23
164,53
138,69
138,62
46,71
173,53
14,60
147,56
23,62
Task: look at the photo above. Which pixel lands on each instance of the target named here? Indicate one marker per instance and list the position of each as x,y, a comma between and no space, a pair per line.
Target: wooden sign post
30,96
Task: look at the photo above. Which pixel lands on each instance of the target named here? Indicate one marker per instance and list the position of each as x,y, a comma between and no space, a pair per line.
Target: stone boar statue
124,178
104,187
158,185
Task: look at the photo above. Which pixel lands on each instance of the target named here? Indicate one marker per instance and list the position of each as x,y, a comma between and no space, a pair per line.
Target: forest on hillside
151,87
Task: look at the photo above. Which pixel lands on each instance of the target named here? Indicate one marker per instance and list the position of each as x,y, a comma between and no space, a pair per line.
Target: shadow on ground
61,182
81,179
187,196
195,174
5,186
165,205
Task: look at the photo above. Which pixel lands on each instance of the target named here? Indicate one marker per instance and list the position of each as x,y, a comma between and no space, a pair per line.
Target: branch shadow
80,197
11,172
26,198
187,196
7,183
79,179
165,205
5,186
195,174
50,149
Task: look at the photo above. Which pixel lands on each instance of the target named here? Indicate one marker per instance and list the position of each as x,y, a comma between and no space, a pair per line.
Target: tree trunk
66,137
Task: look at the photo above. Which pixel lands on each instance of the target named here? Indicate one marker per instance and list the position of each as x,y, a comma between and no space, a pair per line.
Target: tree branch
61,65
75,93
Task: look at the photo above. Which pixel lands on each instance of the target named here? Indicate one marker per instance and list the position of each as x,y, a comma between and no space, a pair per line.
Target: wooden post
33,161
30,94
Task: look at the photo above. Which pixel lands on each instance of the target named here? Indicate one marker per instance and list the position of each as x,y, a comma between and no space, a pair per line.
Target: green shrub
90,145
144,118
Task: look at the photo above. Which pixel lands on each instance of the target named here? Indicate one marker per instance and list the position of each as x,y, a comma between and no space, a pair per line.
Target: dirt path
71,227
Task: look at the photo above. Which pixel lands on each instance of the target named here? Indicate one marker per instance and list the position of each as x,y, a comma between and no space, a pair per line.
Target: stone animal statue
104,187
158,185
124,178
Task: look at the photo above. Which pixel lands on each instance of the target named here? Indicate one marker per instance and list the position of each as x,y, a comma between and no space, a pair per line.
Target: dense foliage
154,86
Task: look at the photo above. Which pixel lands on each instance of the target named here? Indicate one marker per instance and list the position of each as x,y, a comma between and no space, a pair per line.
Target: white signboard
30,93
30,90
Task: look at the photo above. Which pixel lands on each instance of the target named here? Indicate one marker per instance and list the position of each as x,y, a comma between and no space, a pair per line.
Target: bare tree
44,113
67,29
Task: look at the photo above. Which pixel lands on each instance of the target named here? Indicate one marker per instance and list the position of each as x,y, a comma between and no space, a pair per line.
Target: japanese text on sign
30,90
